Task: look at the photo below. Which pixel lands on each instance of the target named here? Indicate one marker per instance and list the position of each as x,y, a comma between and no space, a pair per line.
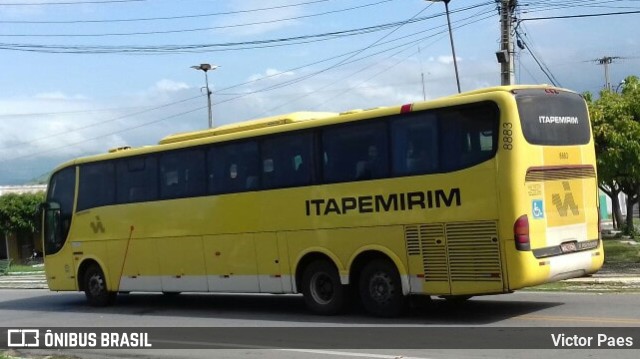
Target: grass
16,268
620,252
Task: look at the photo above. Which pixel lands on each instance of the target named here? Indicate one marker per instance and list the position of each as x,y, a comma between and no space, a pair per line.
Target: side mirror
42,207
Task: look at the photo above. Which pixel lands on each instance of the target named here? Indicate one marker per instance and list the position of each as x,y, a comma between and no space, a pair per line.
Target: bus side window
357,151
418,159
136,179
233,167
463,132
286,160
182,174
236,179
97,185
371,166
301,171
415,144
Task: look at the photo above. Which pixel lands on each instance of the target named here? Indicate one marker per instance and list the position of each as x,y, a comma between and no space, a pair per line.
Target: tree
18,212
616,128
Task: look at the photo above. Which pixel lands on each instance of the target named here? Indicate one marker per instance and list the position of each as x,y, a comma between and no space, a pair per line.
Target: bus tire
323,293
380,289
95,287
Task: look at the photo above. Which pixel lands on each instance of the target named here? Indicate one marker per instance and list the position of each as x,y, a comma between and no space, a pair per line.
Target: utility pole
205,68
424,93
453,48
606,61
506,56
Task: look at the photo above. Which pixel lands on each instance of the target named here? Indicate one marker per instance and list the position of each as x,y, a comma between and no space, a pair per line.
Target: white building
23,189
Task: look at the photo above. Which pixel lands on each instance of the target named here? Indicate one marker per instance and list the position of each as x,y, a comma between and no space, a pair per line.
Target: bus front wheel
380,289
95,287
322,290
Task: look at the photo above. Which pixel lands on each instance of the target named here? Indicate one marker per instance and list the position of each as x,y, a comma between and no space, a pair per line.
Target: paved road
38,308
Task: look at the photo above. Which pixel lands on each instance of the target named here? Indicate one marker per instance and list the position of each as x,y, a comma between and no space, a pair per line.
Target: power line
164,32
405,46
100,123
85,49
164,17
97,2
580,16
543,6
105,135
542,67
343,62
401,60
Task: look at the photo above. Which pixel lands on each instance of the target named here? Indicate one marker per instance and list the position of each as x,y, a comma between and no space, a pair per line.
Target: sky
82,76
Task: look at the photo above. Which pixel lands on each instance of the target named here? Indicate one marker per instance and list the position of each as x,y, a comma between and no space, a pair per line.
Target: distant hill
42,179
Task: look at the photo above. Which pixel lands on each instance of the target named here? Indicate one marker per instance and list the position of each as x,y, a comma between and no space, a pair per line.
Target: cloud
58,95
39,132
271,74
447,60
166,85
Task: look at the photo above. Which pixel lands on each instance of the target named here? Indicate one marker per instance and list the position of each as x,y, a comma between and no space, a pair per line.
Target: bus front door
58,260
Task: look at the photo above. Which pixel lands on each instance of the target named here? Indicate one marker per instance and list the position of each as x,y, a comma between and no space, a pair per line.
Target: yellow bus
480,193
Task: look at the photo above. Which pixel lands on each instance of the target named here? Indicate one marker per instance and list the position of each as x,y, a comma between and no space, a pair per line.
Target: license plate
568,247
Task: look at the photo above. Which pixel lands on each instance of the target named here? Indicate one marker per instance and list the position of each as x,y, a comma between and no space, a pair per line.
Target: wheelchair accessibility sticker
537,208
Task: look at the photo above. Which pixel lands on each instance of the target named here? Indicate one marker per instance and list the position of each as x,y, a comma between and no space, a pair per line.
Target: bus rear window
553,118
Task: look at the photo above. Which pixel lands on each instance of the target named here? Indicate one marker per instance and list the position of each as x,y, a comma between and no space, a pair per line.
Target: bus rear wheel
380,289
322,290
95,287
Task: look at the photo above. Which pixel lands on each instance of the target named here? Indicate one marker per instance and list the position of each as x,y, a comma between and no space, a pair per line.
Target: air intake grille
463,251
473,250
538,174
412,236
434,252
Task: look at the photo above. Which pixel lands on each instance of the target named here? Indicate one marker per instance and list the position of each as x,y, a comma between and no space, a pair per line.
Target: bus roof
247,125
506,88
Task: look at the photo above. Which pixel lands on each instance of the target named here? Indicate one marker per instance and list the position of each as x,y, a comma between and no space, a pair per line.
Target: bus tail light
521,233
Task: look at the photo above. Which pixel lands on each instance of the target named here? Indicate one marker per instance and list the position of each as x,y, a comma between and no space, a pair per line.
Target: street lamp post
205,68
453,49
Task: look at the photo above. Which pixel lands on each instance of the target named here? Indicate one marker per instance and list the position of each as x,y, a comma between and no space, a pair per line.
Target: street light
453,49
205,68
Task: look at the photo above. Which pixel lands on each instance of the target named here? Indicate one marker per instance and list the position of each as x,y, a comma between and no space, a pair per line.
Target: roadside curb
37,280
24,280
608,280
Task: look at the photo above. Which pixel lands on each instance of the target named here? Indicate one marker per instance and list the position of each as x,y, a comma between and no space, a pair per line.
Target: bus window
468,135
234,167
61,191
356,152
554,119
136,179
97,185
286,161
415,144
182,174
